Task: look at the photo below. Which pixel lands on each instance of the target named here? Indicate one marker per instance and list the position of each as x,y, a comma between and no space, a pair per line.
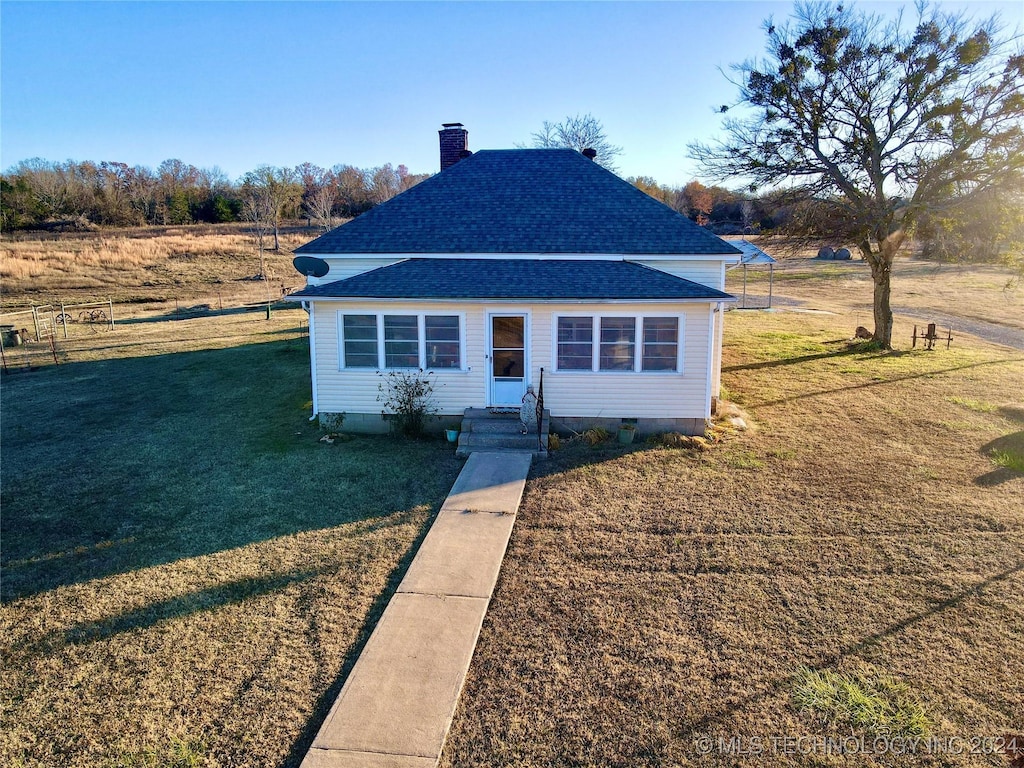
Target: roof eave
299,297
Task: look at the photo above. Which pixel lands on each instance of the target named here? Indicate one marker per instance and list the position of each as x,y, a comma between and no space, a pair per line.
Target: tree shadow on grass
883,382
323,704
701,726
119,465
209,599
1012,412
193,311
856,349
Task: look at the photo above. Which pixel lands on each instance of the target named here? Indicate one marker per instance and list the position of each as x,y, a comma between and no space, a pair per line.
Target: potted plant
626,433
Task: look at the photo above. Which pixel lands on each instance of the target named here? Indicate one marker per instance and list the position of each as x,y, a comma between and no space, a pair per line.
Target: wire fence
49,333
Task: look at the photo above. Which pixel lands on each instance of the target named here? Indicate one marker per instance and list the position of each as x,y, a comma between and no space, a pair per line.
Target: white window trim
422,340
595,369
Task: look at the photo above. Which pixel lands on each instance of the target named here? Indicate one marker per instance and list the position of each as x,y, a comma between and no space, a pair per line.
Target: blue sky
240,84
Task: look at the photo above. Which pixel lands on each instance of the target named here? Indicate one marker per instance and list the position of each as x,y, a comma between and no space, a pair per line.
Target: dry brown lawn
656,605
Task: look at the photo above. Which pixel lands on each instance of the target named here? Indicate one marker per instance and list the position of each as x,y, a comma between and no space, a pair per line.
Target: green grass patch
821,273
178,753
876,703
974,405
1009,460
744,460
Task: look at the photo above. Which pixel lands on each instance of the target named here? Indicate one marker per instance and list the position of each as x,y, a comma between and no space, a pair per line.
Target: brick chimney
454,144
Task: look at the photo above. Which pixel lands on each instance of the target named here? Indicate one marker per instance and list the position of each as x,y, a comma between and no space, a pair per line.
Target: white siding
710,273
626,394
343,267
586,394
355,390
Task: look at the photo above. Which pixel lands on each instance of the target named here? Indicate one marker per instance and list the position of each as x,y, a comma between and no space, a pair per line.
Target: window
661,343
618,343
360,345
575,343
618,339
442,335
401,341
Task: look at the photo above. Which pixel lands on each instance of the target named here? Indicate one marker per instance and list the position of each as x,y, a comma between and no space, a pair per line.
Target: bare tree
48,182
319,205
258,209
579,132
278,188
878,123
384,183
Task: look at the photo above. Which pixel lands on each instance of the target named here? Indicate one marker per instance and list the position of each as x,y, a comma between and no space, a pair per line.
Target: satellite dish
311,266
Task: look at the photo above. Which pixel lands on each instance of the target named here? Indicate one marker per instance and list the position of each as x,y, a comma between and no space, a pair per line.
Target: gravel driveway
995,333
1006,335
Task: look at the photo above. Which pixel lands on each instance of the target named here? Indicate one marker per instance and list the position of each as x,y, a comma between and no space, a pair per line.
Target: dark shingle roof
514,279
521,201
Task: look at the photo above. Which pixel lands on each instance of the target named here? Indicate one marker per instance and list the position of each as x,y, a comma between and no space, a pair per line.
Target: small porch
499,429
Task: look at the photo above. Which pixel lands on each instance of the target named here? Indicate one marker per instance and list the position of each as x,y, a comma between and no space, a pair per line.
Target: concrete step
493,426
483,430
482,441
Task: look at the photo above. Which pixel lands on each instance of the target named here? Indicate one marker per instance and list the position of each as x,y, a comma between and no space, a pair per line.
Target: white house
508,262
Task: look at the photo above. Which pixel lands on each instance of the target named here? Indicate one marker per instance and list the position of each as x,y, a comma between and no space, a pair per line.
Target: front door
508,371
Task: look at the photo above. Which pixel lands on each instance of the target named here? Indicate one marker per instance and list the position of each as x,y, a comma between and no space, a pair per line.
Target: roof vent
591,153
454,143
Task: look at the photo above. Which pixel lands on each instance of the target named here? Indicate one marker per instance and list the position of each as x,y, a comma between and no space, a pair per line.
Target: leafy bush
408,398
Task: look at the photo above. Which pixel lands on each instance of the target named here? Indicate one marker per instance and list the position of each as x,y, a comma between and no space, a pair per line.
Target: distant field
142,264
985,292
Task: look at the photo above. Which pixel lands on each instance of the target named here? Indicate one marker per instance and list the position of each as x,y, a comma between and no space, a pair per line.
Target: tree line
41,193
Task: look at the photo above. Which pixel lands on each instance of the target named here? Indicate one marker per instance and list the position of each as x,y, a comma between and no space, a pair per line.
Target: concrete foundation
566,425
375,424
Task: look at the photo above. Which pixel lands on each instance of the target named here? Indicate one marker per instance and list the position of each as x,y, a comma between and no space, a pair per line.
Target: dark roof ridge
544,200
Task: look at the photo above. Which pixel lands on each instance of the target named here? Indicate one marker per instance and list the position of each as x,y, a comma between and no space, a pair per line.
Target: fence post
35,322
110,303
64,320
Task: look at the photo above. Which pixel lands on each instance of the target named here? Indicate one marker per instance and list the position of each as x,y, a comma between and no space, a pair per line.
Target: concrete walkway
397,703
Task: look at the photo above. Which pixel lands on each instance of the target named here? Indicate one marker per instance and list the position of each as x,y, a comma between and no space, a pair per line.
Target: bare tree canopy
276,189
880,122
579,132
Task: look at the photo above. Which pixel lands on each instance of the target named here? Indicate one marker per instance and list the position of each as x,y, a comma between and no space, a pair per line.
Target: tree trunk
277,243
881,274
882,309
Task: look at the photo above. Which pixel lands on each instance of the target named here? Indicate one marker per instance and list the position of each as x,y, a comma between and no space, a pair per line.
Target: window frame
421,340
638,343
